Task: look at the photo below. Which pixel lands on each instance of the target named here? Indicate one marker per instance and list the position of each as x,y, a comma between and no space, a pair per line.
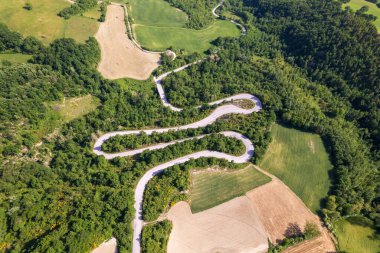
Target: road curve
217,113
220,111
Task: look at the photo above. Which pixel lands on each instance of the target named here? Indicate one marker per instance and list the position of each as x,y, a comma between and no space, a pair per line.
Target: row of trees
14,42
79,7
199,11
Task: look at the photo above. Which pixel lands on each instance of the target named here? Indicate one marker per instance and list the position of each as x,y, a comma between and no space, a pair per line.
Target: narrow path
220,111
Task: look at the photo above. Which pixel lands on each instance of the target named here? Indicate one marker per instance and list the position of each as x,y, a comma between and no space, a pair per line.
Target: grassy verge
42,21
76,107
211,188
300,160
373,9
357,234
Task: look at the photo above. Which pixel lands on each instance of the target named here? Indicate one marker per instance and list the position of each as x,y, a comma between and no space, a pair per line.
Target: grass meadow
157,25
356,234
211,188
75,107
14,58
43,23
373,9
300,160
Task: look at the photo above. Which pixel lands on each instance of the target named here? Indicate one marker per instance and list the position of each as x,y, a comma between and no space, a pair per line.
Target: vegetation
14,58
199,11
103,11
79,7
155,237
357,234
158,26
42,21
75,107
313,65
170,186
294,235
298,157
373,9
211,188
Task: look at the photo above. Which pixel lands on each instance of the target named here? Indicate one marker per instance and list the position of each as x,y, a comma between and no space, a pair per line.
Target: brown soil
279,208
228,228
119,56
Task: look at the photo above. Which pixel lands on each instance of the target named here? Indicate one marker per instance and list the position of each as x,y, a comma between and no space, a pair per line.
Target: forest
313,65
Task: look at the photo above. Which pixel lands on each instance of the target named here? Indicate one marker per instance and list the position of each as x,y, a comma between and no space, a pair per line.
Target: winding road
220,111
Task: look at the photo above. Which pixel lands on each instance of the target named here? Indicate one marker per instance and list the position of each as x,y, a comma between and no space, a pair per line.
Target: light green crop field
373,9
355,234
300,160
75,107
211,188
42,21
14,58
156,13
160,38
157,25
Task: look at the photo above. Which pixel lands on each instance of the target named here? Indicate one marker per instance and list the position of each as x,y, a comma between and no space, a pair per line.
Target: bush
28,6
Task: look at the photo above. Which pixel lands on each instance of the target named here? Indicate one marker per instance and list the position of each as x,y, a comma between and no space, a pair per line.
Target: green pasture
373,9
43,23
211,188
156,13
357,234
14,58
160,38
300,160
157,26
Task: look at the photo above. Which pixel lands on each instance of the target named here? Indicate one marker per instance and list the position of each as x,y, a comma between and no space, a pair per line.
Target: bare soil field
279,208
227,228
109,246
119,56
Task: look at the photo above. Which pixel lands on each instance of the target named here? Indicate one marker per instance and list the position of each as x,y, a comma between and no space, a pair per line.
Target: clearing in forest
43,22
14,58
300,160
372,9
120,57
230,227
279,209
158,26
76,107
212,187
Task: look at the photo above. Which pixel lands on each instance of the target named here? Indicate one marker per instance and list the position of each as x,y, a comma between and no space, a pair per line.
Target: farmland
43,23
300,160
158,26
210,188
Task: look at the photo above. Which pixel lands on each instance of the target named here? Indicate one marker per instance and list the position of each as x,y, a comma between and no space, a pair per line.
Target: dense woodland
314,65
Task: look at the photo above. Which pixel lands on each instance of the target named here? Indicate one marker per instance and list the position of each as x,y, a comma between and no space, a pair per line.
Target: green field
157,26
42,21
300,160
211,188
373,9
75,107
14,58
356,234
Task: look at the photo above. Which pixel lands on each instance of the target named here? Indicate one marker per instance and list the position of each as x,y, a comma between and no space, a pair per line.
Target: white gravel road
217,113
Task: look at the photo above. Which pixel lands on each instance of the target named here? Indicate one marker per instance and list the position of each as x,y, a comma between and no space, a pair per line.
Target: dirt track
278,207
227,228
120,57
